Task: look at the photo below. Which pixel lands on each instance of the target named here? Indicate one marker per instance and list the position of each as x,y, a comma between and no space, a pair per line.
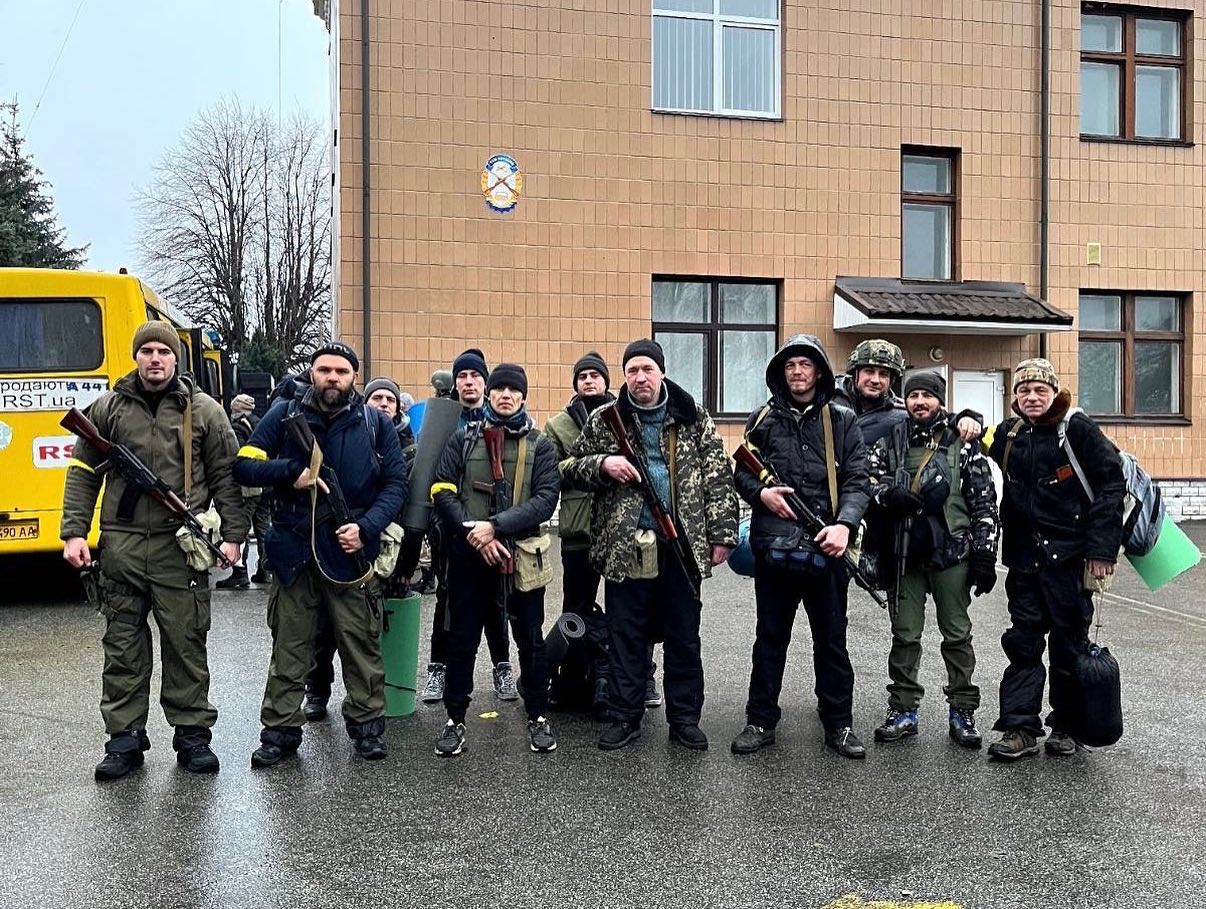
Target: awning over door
889,305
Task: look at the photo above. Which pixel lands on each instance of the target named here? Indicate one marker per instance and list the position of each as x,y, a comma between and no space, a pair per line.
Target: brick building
725,173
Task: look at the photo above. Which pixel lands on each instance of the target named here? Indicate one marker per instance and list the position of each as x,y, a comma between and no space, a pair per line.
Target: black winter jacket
1045,515
793,441
876,419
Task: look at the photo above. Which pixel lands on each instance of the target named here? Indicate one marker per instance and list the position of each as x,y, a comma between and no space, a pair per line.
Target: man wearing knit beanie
1036,369
156,330
591,362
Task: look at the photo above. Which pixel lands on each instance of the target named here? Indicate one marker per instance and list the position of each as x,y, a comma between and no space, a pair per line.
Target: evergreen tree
30,237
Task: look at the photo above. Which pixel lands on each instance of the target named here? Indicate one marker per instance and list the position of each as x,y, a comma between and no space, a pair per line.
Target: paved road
653,825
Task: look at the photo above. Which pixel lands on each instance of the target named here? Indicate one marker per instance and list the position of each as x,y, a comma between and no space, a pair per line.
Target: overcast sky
133,75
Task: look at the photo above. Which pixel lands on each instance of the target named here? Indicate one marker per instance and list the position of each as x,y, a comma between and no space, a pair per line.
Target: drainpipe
366,254
1044,156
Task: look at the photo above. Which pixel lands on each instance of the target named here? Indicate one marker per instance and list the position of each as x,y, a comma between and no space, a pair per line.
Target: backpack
1143,506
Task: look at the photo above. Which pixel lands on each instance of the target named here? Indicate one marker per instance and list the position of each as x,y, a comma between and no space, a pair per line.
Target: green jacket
705,502
123,417
573,523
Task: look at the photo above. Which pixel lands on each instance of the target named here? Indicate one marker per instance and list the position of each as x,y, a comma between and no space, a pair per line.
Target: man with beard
817,452
485,542
651,580
319,566
947,503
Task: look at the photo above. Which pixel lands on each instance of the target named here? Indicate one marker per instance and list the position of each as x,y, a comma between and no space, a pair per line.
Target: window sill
1117,140
720,115
730,419
1159,420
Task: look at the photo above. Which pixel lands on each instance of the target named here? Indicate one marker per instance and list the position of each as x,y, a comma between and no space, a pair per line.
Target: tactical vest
954,508
477,471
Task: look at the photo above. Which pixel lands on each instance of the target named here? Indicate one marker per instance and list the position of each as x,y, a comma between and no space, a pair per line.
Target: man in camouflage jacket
647,589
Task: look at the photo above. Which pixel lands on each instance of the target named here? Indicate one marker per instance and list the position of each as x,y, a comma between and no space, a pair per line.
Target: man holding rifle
338,480
496,483
185,445
663,514
815,449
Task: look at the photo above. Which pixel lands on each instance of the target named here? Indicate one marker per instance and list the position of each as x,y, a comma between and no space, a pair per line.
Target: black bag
1097,717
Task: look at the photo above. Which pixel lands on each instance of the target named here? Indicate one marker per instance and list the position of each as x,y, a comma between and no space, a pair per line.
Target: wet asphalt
650,826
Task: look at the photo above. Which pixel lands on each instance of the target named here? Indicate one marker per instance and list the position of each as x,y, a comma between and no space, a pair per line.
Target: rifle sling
520,474
830,458
915,484
186,432
672,462
315,468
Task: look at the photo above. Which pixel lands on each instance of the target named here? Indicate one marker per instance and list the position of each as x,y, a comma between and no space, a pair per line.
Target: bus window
212,379
50,335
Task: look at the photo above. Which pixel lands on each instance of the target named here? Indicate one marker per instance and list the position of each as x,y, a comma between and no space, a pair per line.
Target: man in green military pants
183,436
940,499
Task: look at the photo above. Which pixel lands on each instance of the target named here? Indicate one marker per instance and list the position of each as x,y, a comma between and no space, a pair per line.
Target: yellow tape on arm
437,488
250,451
76,462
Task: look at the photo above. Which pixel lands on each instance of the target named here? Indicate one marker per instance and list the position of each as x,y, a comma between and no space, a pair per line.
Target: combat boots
1014,744
276,744
963,727
898,724
193,753
238,580
315,707
123,753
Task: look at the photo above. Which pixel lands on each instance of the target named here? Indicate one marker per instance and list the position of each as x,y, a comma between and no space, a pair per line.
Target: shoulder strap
830,456
1014,427
1072,460
520,473
758,419
371,423
915,485
186,432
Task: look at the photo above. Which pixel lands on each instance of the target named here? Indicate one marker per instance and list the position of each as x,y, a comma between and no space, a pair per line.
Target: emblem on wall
502,182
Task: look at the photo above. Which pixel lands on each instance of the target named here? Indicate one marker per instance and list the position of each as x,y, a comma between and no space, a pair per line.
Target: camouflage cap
1036,369
876,352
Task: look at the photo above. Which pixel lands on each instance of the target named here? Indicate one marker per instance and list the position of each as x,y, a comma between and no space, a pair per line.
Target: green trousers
139,577
357,627
952,595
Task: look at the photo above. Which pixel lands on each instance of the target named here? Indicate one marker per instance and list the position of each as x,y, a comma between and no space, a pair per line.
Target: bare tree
236,229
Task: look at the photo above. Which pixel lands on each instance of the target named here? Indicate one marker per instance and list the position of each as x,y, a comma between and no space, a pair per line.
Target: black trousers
474,598
579,581
1049,609
638,613
779,592
496,624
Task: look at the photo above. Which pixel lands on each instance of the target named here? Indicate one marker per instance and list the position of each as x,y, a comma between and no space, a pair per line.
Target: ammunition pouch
644,556
533,564
198,555
796,551
391,548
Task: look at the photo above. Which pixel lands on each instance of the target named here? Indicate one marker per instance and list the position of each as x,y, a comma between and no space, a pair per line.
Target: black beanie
471,359
645,348
926,380
509,374
593,361
337,349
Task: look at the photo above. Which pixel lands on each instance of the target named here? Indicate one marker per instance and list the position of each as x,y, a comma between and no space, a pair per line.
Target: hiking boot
370,747
653,697
689,735
504,682
268,755
315,707
898,724
261,577
1060,744
540,735
845,743
433,691
617,735
1014,744
452,740
963,727
238,580
117,764
751,738
198,759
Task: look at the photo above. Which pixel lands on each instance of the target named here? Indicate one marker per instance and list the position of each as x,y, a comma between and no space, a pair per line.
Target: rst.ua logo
53,451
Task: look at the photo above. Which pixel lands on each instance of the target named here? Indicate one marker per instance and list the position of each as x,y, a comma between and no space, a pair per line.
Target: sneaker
653,697
898,724
1060,744
370,747
689,736
963,727
117,764
504,682
270,755
751,738
845,743
540,735
617,735
1014,744
315,707
452,740
433,691
238,580
198,759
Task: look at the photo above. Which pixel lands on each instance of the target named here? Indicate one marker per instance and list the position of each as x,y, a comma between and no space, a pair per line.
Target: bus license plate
19,530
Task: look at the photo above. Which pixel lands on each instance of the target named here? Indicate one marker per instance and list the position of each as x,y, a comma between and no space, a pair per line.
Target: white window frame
719,21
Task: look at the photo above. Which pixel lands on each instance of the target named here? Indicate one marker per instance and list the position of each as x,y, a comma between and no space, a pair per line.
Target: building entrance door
983,391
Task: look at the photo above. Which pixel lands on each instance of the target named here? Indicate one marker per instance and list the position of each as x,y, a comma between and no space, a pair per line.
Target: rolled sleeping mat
568,627
741,559
1173,555
400,653
440,419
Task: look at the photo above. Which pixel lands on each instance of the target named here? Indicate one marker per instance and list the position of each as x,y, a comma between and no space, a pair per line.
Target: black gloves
982,572
900,501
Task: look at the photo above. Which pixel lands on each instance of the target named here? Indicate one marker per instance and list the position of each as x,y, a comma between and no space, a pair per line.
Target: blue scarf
515,424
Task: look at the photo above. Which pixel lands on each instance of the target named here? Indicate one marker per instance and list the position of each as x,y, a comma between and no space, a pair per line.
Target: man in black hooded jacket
817,451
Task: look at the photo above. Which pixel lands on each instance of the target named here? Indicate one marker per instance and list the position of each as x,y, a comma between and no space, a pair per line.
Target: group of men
848,475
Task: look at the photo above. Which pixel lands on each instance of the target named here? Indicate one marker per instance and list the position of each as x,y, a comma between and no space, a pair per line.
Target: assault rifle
338,511
667,528
500,491
747,457
138,475
900,548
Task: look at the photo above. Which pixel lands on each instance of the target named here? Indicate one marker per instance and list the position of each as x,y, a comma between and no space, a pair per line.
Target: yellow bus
65,340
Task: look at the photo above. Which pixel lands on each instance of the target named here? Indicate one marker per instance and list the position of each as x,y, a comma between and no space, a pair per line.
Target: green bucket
400,653
1173,555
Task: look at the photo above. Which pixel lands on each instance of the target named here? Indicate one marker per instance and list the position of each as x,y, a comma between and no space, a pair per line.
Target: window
716,57
718,336
928,213
1131,354
1132,74
50,336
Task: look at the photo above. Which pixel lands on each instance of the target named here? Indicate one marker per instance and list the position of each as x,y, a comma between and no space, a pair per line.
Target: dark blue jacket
369,465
